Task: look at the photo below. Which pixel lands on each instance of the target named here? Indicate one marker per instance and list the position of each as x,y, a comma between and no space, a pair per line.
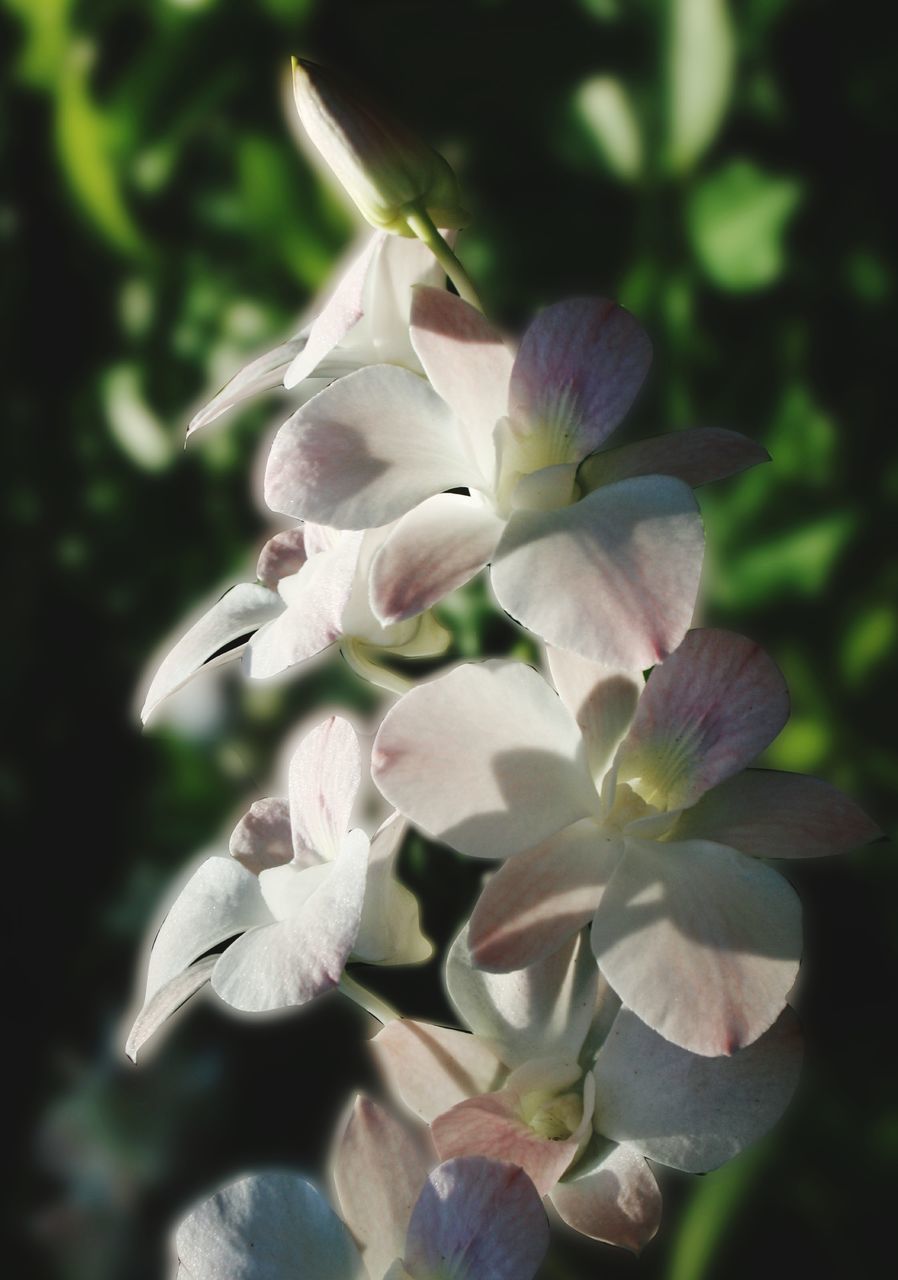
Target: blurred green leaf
605,108
714,1203
802,439
736,221
870,639
46,25
799,561
700,57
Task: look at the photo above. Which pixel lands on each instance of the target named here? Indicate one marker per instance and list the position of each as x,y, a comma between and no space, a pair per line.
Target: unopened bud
388,171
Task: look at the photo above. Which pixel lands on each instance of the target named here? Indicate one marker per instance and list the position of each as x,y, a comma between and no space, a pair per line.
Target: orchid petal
616,1199
379,1167
401,264
390,932
435,548
233,618
366,450
542,1011
477,1220
166,1001
601,700
777,815
705,714
263,837
467,363
687,1111
512,751
702,943
613,577
696,457
272,1226
282,556
537,900
579,368
432,1068
324,778
293,961
264,373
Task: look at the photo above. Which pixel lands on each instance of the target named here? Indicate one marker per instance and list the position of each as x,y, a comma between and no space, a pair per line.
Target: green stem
367,1000
422,224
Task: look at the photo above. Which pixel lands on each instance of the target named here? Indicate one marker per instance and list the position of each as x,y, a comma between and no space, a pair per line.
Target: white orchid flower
626,806
364,321
312,593
610,572
525,1085
301,893
401,1218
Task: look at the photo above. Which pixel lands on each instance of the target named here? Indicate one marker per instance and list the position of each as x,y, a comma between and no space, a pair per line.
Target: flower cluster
622,985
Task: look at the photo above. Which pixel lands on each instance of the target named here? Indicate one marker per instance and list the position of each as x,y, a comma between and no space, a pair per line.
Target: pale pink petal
379,1167
165,1003
705,714
270,1226
537,900
390,932
687,1111
432,1068
696,457
366,450
485,758
401,264
542,1011
217,637
615,1199
435,548
477,1220
264,373
339,314
316,599
777,815
324,779
701,942
467,362
491,1126
601,700
295,960
282,556
263,838
613,577
580,366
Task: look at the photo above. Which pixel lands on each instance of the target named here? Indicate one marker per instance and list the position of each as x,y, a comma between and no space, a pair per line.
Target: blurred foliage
721,166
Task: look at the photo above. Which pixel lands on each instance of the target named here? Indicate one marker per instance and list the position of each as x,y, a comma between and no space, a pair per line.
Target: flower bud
387,170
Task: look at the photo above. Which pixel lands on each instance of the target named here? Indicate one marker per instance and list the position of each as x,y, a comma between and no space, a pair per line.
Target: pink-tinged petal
432,1068
430,552
692,1112
492,1126
580,366
702,943
705,714
316,599
165,1003
616,1199
270,1226
500,735
262,374
777,815
263,837
217,637
613,577
401,264
281,557
601,700
324,779
366,450
340,313
390,931
537,900
293,961
467,363
696,457
542,1011
379,1167
477,1220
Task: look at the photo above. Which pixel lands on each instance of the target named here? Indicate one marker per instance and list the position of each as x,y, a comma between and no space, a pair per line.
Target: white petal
264,373
431,1068
486,758
687,1111
542,1011
613,577
283,555
166,1002
234,617
615,1199
702,943
390,931
435,548
696,457
272,1226
324,779
366,450
263,838
601,700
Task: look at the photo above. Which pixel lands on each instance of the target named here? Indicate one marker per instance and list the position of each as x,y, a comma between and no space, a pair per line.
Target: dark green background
158,224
